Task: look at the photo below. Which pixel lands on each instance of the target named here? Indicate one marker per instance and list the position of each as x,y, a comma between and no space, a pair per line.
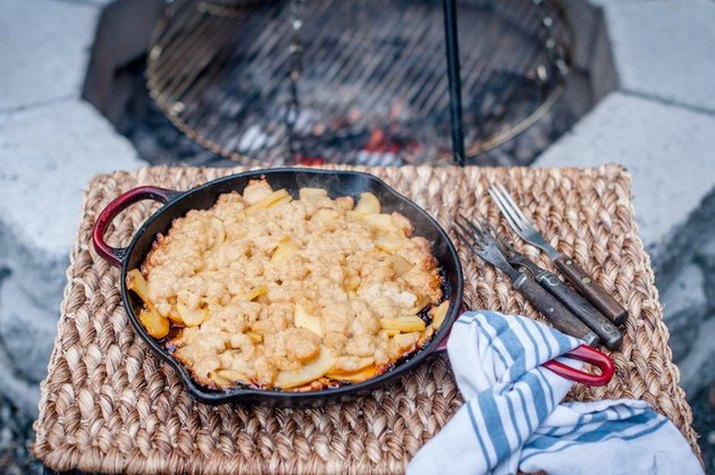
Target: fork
575,274
579,306
482,244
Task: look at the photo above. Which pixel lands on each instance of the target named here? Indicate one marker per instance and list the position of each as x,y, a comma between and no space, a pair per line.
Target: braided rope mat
108,404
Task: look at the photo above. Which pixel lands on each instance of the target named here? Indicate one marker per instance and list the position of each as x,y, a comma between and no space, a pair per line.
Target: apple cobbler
270,291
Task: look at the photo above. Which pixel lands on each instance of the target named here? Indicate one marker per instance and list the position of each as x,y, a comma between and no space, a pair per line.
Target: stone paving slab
665,49
27,332
44,48
697,367
669,151
685,307
48,153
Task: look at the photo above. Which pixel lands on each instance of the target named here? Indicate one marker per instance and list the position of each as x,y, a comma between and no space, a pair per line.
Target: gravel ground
704,423
16,435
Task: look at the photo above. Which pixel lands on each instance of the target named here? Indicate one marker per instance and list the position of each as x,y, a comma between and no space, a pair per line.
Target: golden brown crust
273,289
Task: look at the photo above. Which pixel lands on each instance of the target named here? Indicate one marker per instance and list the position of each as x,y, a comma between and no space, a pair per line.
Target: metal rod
455,82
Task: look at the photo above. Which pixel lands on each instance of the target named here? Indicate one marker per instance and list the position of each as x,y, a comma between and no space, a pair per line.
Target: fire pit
352,81
365,82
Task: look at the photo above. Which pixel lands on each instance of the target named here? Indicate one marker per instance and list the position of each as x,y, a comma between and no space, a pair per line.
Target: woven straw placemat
110,405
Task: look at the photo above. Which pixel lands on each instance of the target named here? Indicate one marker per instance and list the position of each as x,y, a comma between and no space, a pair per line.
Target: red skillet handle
589,355
114,255
582,353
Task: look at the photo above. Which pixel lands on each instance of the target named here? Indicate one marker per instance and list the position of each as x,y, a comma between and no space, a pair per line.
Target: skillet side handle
583,353
588,355
114,255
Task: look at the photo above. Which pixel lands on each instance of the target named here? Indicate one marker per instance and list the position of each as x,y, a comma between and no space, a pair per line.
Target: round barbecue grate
353,81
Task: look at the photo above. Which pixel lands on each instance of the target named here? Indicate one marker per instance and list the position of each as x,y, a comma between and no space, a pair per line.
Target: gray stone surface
26,320
44,47
585,20
100,3
51,143
667,149
604,77
48,153
697,369
685,306
705,256
687,243
708,249
687,291
665,49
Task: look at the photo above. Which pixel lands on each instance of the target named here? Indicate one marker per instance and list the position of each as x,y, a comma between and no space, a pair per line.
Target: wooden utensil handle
579,306
592,291
554,310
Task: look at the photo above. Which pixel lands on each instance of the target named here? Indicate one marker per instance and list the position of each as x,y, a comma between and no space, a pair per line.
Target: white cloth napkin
513,417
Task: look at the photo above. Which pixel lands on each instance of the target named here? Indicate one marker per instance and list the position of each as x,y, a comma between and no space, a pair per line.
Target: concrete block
21,263
24,396
685,307
665,49
27,332
689,243
16,384
44,48
123,35
604,77
705,255
48,153
667,149
687,291
585,21
708,249
697,369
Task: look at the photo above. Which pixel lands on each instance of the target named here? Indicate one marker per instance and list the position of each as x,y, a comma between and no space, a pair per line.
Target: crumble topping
272,291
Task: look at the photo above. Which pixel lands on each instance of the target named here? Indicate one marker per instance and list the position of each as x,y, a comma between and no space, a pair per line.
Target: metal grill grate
370,85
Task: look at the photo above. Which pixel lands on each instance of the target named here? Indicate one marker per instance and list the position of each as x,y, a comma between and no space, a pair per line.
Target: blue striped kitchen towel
513,417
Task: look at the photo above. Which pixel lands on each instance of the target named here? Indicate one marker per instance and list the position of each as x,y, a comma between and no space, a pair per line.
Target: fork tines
469,230
471,240
509,209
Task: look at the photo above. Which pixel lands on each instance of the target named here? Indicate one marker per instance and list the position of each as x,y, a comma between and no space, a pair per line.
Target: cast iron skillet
338,183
